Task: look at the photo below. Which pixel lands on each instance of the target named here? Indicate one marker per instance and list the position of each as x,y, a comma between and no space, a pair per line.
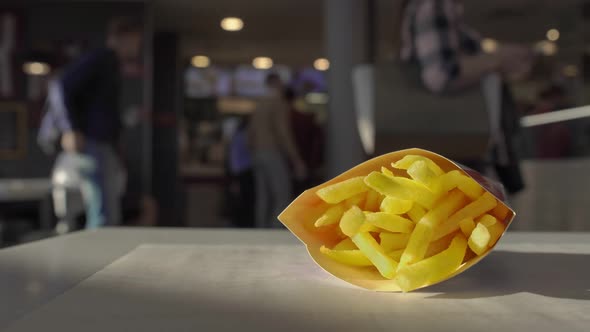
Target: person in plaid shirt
434,36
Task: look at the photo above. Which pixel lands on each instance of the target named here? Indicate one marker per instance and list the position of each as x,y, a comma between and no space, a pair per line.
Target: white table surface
532,282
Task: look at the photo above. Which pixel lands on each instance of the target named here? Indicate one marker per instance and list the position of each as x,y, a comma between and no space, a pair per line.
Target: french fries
393,241
479,239
407,161
352,257
424,231
394,205
416,213
351,221
375,253
390,222
401,188
345,244
415,225
341,191
373,201
467,225
433,269
331,216
483,204
495,227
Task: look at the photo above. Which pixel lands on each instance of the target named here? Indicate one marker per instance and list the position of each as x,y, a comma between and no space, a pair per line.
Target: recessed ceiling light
200,61
262,62
489,45
36,68
552,34
232,24
321,64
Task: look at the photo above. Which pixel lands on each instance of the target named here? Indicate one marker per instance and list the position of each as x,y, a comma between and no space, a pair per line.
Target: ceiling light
200,61
36,68
321,64
262,62
552,34
570,71
489,45
232,24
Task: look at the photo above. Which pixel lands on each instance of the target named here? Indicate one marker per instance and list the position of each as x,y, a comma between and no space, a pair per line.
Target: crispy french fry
341,191
496,230
390,222
416,213
476,208
373,201
448,181
393,241
417,244
349,257
358,200
387,172
439,245
487,220
331,216
351,221
479,239
500,212
367,227
433,269
455,179
424,230
408,160
419,192
469,187
467,225
375,253
395,205
420,172
345,244
396,254
401,188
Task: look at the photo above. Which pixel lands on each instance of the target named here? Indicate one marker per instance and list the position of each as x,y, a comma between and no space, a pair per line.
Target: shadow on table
504,272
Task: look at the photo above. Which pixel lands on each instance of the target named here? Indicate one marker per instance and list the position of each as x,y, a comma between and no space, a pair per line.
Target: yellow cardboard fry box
401,221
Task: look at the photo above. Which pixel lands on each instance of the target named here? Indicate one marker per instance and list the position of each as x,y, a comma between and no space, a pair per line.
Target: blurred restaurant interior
205,66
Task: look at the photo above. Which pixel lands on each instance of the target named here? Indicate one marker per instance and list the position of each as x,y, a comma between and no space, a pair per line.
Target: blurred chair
395,111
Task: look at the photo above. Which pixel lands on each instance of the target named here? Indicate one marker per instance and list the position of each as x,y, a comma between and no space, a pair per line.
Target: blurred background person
271,140
241,176
435,38
308,136
91,89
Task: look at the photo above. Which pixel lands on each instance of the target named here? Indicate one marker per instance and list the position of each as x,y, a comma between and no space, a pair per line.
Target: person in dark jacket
91,95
